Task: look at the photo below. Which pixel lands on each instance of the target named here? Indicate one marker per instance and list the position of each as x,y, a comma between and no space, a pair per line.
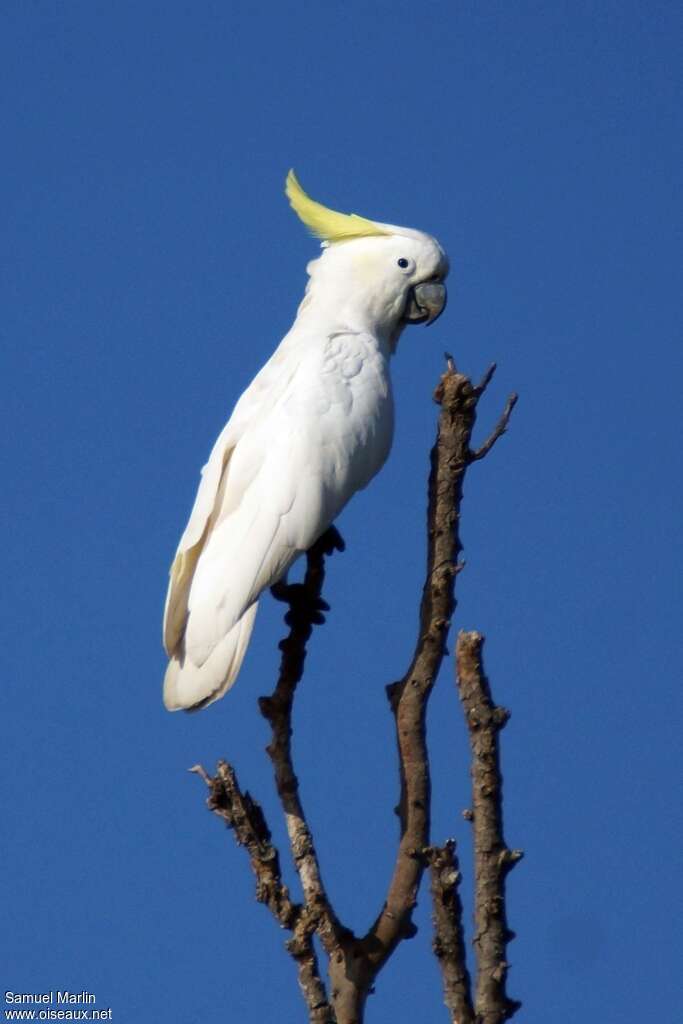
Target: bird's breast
355,421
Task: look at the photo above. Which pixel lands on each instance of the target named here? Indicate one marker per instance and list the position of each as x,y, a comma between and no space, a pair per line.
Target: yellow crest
328,225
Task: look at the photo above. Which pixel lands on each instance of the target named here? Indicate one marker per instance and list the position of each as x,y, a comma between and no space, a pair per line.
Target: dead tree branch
450,457
449,938
492,862
355,962
306,608
492,858
244,816
498,431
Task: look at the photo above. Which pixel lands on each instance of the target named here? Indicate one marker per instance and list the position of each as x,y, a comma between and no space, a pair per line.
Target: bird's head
376,276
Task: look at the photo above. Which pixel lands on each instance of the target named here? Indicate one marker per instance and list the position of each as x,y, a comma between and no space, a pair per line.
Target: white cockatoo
313,427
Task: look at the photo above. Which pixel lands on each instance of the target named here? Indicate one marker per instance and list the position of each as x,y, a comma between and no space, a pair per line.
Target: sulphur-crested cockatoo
313,427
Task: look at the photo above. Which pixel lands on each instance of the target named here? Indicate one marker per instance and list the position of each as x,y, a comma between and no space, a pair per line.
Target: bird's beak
426,301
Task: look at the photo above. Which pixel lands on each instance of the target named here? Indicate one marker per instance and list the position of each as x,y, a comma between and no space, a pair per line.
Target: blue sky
151,266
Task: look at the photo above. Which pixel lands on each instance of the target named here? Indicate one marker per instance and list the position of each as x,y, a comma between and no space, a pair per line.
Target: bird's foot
301,604
289,593
330,541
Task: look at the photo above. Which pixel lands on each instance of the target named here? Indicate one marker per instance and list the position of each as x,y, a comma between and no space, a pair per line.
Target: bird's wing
264,389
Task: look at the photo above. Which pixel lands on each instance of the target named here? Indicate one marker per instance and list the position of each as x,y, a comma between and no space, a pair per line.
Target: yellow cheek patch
328,225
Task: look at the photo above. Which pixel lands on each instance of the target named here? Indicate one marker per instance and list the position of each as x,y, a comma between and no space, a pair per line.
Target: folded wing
256,505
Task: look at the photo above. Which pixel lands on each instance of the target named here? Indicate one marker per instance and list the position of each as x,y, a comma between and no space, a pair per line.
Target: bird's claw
289,593
330,541
306,608
303,607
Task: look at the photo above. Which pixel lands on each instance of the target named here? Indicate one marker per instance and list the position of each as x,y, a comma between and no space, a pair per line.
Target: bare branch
244,816
348,968
305,610
492,858
408,698
449,940
301,948
499,429
486,379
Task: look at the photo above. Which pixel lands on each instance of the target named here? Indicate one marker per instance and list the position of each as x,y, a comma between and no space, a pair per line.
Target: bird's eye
403,263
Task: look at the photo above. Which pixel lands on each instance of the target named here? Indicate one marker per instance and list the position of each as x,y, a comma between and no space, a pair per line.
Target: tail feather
191,687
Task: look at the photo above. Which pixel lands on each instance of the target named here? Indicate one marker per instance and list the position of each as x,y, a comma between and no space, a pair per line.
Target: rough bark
244,816
449,936
492,858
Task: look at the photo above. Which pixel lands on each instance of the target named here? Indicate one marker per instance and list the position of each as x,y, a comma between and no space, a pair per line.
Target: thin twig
498,431
492,858
449,940
486,379
244,816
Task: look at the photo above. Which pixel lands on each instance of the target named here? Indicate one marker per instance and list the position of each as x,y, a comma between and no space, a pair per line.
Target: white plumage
313,427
